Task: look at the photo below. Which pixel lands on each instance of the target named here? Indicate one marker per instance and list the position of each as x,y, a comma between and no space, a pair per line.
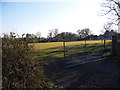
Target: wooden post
104,43
119,45
101,50
85,41
64,48
114,45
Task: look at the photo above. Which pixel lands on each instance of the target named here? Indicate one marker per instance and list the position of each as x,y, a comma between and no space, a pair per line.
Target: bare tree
79,33
84,32
112,8
52,33
107,26
55,32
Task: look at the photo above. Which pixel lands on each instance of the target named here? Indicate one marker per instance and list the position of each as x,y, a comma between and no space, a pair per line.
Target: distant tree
64,36
55,32
33,36
84,32
59,37
79,33
70,36
30,36
52,34
92,37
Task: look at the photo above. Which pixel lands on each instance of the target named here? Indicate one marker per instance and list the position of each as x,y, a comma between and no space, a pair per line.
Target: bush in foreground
19,69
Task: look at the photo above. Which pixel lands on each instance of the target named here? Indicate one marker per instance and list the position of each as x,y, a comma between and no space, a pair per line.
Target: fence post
117,46
114,46
85,43
104,43
64,48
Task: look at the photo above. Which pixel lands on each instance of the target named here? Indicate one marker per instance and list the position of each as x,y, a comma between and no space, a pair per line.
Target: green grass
51,51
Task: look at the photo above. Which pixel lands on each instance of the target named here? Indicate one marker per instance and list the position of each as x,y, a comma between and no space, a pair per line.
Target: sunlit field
49,45
54,50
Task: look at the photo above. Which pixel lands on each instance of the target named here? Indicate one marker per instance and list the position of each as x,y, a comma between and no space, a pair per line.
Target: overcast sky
67,16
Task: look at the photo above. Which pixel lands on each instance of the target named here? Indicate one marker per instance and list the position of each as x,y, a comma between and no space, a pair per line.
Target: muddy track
100,74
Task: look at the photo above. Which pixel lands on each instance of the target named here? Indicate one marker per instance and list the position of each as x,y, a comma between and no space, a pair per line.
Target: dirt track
100,74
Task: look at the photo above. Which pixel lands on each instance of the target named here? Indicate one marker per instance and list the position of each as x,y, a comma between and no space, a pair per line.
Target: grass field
54,50
49,45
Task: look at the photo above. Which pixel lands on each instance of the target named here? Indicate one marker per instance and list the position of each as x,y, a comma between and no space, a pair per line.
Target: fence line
104,44
92,55
64,49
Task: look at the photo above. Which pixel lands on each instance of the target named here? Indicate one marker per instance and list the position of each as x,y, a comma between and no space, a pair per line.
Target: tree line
55,36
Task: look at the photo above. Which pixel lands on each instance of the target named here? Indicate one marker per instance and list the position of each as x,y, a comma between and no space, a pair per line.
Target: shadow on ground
100,74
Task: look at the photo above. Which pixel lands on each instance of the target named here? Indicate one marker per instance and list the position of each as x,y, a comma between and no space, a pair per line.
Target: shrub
19,69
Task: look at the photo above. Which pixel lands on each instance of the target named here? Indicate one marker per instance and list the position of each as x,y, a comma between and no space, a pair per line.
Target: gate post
114,46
